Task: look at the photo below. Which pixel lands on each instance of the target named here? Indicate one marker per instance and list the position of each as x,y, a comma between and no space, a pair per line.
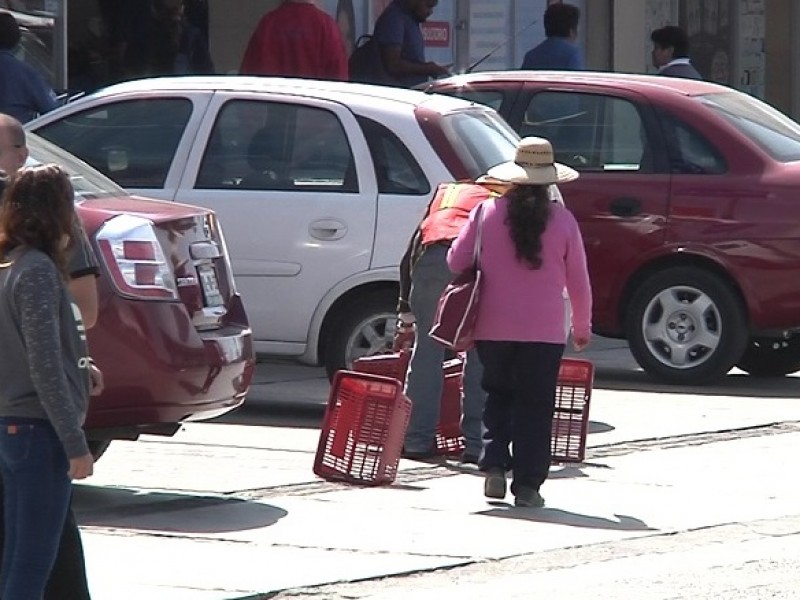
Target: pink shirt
518,303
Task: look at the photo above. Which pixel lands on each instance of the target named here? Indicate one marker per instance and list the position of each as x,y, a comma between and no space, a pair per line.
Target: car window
133,141
480,138
258,145
689,152
590,131
396,169
776,133
86,182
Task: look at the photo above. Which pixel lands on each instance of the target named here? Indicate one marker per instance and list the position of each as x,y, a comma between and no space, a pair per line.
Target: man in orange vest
423,277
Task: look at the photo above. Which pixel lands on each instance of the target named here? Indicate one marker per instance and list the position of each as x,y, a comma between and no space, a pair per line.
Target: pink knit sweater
518,303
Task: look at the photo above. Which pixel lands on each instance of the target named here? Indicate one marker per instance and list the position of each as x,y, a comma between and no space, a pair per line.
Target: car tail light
135,260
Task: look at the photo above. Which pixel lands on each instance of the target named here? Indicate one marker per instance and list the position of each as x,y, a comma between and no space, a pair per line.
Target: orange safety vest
449,210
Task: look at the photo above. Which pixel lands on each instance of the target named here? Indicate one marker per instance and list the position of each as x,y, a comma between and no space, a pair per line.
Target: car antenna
500,45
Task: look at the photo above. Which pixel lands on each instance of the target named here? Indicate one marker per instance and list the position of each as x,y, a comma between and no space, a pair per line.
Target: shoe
468,459
494,486
527,496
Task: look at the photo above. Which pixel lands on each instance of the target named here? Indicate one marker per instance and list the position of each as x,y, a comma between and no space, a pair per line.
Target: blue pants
36,492
424,383
520,379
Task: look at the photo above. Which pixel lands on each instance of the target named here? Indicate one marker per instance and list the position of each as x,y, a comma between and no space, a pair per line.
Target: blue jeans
521,380
425,379
36,492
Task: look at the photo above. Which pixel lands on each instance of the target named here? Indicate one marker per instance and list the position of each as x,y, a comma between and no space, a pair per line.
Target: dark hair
561,19
38,210
9,31
528,213
673,37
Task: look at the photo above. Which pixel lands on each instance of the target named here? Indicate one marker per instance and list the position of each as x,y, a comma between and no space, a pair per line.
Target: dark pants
67,577
520,379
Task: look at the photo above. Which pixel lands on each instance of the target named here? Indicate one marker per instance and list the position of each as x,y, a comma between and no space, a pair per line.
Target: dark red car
689,203
172,337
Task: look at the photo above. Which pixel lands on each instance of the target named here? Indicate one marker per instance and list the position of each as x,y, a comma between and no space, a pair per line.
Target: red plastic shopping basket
363,429
448,432
571,417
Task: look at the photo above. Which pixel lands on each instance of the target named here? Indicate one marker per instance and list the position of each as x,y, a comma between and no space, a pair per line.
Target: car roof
689,87
340,91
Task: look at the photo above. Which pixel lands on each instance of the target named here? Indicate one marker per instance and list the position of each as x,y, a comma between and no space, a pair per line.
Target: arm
37,293
578,284
397,66
83,269
338,67
42,96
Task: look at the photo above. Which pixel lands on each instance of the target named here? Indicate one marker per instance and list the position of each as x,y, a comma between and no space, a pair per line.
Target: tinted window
396,170
86,182
689,152
275,146
776,133
590,132
133,142
482,139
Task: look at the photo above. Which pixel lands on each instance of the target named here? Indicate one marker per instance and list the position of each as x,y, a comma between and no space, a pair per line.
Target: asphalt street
685,493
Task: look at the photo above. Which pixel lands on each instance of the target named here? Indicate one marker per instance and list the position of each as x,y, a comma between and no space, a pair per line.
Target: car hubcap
372,336
682,327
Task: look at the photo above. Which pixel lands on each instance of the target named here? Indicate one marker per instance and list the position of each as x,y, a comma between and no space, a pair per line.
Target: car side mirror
116,159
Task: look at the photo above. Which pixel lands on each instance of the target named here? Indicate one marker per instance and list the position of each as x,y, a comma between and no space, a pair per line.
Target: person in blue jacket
23,91
559,51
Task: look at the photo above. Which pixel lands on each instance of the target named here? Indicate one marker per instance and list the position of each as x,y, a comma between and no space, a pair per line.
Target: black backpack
366,64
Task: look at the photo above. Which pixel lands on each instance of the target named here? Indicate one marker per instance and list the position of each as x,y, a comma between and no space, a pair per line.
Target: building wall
778,42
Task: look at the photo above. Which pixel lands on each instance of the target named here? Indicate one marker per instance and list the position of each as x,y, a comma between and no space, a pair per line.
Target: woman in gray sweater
44,369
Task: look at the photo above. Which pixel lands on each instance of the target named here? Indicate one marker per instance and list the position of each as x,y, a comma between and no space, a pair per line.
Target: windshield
481,138
87,182
776,133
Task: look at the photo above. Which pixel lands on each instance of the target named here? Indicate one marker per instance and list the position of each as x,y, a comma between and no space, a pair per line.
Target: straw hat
533,164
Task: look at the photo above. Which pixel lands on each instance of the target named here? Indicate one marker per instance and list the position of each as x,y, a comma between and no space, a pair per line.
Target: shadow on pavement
734,384
565,517
164,511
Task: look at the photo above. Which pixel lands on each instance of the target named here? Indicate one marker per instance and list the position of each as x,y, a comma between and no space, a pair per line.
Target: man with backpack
396,53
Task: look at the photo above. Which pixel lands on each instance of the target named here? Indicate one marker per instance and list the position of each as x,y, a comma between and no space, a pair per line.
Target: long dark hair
528,213
38,210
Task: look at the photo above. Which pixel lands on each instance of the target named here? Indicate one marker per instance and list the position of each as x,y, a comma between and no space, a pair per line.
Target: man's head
421,9
13,151
9,31
669,43
561,20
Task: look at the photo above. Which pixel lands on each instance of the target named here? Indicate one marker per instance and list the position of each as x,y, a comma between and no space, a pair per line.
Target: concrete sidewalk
233,511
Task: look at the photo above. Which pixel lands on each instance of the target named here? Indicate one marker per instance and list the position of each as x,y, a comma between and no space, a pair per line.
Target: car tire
686,326
98,448
364,328
771,358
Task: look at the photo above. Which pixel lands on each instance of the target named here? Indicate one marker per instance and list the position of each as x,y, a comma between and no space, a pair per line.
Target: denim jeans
36,492
425,378
520,379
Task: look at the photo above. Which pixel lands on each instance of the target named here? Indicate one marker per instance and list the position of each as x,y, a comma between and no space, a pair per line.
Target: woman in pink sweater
531,250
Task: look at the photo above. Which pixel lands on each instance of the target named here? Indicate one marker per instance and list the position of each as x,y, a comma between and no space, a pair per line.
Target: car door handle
625,206
327,229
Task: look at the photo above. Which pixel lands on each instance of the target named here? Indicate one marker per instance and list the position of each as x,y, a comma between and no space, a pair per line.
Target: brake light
134,258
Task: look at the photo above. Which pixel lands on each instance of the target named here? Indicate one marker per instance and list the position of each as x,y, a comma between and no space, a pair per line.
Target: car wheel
686,326
98,447
771,358
365,328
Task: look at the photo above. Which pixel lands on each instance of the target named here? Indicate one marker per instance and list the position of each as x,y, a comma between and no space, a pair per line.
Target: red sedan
172,337
688,203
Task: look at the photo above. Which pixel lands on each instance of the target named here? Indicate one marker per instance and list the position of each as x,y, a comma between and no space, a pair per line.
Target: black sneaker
494,486
528,497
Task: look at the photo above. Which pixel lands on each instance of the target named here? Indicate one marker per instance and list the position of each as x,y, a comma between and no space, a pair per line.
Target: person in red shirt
297,39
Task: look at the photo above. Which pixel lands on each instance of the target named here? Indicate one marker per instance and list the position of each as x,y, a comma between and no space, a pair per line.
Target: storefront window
40,24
